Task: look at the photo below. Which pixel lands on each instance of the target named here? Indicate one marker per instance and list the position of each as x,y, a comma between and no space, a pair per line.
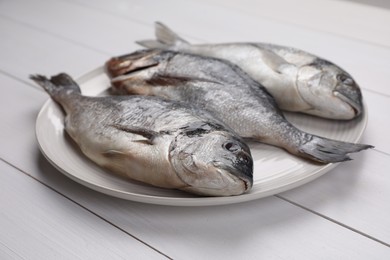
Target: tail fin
61,83
329,151
165,38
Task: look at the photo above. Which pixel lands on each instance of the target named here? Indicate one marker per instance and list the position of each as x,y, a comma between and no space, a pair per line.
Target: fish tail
326,150
57,85
165,38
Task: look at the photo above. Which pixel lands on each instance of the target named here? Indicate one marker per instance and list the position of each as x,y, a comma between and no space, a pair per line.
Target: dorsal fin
165,38
165,35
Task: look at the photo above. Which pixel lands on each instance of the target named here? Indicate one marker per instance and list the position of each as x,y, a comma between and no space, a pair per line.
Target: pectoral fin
114,154
150,135
174,80
276,63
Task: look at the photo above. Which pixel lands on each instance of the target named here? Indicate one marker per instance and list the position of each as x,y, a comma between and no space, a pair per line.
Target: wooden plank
361,22
355,193
38,223
8,253
25,51
378,126
89,28
269,228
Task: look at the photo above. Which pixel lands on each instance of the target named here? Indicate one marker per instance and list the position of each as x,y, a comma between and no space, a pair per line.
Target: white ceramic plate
274,169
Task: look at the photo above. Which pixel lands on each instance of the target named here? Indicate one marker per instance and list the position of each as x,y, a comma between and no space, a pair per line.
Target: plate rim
184,201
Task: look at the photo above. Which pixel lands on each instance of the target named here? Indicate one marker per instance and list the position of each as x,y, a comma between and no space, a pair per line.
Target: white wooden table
344,214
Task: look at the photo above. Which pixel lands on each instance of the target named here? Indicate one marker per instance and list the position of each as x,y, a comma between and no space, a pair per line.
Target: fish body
226,91
299,81
155,141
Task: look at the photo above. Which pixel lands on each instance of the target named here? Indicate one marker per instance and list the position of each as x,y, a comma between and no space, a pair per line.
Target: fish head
131,73
329,90
213,164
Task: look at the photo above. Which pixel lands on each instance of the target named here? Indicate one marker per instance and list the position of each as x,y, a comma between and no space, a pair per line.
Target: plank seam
298,25
66,39
332,220
85,208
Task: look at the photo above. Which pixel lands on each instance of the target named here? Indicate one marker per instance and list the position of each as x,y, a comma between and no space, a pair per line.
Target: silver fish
299,81
226,91
155,141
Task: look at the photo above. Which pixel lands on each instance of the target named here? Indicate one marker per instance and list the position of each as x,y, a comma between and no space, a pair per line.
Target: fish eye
232,147
345,79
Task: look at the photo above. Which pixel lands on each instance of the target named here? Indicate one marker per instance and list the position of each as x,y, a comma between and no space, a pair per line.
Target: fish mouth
350,95
241,170
127,73
130,63
236,176
229,184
